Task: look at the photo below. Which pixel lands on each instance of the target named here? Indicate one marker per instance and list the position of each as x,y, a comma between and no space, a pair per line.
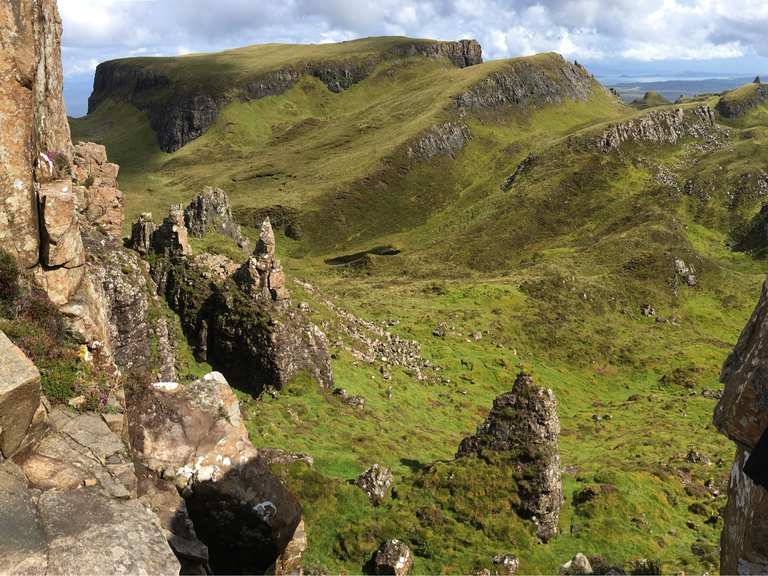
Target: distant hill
649,100
674,89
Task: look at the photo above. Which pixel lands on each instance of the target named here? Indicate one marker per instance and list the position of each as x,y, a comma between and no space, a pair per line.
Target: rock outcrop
209,211
32,117
193,108
659,127
238,318
441,140
523,424
69,505
526,82
742,415
19,396
261,276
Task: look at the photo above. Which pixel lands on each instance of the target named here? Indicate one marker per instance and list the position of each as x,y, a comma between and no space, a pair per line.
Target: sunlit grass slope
551,269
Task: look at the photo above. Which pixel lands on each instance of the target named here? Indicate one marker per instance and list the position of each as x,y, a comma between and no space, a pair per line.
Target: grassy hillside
546,271
649,100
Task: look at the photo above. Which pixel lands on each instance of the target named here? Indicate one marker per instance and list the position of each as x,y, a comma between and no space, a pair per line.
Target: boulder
247,518
523,423
193,431
88,532
375,482
19,395
393,557
210,211
22,540
577,565
742,415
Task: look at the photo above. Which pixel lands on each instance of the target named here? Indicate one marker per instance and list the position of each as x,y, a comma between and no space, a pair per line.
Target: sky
614,38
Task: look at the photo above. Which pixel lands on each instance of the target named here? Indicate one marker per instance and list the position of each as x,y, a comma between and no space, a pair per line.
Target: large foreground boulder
523,424
742,415
19,395
194,435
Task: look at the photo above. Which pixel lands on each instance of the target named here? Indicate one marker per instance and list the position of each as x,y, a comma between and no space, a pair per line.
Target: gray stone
22,541
375,482
393,557
19,395
88,532
578,565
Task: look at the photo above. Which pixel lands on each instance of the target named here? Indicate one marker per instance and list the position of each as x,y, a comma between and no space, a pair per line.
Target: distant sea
672,87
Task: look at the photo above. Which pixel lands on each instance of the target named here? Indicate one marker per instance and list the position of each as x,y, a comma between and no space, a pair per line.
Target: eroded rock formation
19,396
209,211
742,415
659,127
523,424
238,318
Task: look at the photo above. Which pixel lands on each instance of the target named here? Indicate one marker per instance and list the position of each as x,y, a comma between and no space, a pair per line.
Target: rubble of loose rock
524,424
371,342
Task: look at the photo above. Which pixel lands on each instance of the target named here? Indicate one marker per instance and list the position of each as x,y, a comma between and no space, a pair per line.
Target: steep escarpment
522,82
148,83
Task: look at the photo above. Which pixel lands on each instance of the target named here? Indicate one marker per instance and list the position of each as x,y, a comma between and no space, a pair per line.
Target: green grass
552,272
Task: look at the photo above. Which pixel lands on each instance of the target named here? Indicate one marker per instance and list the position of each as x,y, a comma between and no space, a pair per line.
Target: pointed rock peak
266,244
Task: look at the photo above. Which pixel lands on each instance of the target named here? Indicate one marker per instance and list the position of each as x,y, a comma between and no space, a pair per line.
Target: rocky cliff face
192,110
523,423
742,415
525,83
32,118
659,127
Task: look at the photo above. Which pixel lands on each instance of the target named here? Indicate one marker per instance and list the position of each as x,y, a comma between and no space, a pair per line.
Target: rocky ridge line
192,111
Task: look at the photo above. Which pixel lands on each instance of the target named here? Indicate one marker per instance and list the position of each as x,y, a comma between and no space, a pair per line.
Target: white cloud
642,30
